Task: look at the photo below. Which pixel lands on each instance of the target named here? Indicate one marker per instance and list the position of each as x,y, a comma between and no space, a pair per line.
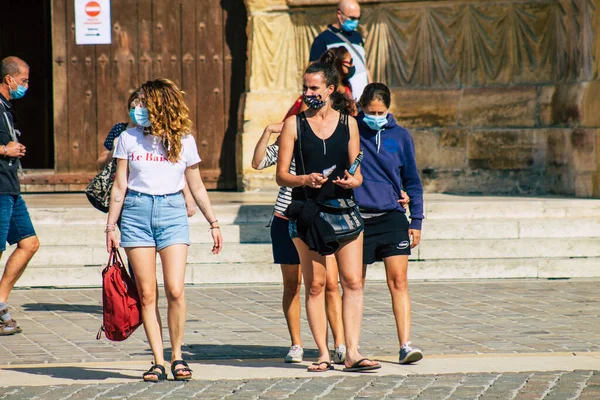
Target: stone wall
501,97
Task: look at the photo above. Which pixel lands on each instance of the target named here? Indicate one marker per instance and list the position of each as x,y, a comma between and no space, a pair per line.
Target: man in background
343,33
15,223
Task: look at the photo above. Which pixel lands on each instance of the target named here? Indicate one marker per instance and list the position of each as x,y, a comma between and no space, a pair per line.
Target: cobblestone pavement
584,385
244,321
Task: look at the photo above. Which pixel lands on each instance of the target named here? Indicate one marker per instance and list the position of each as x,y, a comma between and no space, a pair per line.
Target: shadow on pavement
234,353
80,308
201,352
75,373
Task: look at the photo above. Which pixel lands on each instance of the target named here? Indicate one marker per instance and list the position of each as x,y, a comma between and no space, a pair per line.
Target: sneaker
294,355
6,329
10,326
339,354
409,354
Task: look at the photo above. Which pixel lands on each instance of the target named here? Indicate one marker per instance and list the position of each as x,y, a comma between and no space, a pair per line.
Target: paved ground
583,385
525,339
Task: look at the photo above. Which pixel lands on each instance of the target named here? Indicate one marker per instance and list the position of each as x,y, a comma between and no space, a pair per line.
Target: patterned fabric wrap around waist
343,216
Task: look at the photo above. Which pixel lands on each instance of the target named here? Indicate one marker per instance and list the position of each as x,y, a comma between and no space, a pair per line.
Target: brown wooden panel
144,47
188,51
45,178
124,59
81,92
167,39
211,113
104,80
59,77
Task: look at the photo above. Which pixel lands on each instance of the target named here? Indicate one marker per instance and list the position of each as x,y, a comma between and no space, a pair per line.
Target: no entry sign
92,22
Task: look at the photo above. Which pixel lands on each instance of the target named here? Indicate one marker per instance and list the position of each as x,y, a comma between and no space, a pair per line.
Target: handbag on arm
341,214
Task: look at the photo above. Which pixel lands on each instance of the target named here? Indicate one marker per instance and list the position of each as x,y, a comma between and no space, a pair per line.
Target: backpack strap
350,46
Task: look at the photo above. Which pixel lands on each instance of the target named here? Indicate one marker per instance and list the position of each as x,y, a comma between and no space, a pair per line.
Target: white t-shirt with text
149,170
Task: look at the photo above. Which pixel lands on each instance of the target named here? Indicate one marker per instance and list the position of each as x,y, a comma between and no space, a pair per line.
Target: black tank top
318,155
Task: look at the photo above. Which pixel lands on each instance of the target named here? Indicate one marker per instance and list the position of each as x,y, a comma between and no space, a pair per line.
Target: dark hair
132,97
339,101
335,56
375,91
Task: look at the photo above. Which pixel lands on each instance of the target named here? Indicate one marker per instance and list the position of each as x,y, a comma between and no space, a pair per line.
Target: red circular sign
92,9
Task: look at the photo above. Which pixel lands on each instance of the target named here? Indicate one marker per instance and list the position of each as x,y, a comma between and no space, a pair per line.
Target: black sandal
186,368
160,376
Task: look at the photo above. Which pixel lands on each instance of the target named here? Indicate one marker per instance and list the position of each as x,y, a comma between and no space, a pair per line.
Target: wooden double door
199,44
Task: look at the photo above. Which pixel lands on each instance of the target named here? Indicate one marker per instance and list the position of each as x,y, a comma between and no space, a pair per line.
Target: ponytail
342,103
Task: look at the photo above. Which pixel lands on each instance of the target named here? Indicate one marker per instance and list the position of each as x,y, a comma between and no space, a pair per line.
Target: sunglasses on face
348,63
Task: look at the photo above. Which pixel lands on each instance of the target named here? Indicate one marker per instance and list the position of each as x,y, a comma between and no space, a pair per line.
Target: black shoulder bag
341,214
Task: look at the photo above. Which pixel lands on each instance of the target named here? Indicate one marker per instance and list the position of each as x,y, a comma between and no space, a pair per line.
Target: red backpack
120,301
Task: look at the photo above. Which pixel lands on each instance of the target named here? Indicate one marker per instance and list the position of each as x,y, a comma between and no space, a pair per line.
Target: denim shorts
154,221
15,223
293,230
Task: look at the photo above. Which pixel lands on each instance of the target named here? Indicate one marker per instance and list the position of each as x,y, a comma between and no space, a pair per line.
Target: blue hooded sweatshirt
389,165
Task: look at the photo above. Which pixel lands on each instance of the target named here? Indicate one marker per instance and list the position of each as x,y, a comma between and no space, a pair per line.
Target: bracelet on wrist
213,222
5,150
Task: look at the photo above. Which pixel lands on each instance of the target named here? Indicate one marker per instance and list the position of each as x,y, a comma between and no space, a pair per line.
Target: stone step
446,208
78,276
429,249
56,235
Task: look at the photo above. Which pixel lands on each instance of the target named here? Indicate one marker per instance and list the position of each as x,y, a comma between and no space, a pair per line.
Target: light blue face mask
375,122
132,115
350,25
20,92
141,117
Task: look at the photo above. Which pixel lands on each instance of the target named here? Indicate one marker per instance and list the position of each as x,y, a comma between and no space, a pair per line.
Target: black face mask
351,72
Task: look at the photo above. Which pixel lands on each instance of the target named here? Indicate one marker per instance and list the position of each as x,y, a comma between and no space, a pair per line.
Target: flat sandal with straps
160,376
186,368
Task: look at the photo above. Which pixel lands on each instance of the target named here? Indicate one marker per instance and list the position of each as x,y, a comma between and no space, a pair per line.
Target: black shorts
284,251
386,236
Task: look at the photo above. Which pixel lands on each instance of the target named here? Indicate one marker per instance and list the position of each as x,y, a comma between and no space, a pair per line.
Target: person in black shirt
330,141
15,223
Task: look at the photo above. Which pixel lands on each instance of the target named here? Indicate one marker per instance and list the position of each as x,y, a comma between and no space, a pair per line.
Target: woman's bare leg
349,258
143,263
333,301
174,259
396,268
290,302
315,276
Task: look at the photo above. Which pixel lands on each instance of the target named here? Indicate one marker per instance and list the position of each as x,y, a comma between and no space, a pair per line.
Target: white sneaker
409,354
339,354
294,355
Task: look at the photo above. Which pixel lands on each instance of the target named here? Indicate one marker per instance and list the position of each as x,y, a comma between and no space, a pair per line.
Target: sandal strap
4,311
186,367
152,371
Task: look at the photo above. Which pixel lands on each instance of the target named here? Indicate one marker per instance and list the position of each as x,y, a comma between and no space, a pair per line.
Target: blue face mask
132,115
350,25
20,92
375,122
141,117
